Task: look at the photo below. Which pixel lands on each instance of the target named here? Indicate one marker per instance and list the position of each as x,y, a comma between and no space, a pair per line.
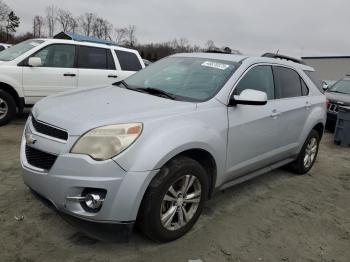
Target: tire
300,165
154,206
7,107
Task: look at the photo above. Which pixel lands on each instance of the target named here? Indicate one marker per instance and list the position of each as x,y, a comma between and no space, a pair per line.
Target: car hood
84,109
338,98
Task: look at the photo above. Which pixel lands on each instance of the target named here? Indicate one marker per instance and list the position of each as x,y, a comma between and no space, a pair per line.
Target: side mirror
34,61
249,97
324,85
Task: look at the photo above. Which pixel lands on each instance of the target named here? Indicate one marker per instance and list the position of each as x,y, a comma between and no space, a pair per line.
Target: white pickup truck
38,68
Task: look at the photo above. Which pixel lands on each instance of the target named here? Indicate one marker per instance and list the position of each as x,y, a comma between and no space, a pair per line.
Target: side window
57,56
92,57
128,61
2,47
304,88
288,82
258,78
110,60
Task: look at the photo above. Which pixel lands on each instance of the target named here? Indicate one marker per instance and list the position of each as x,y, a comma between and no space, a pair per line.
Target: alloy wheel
180,202
310,152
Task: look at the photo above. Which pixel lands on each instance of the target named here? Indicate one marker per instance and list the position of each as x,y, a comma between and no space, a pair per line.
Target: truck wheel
7,107
174,200
308,154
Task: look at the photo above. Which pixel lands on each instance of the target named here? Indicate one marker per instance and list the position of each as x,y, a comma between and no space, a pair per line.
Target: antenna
277,51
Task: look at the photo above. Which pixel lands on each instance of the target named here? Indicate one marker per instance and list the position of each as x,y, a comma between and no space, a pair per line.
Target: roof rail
284,57
82,38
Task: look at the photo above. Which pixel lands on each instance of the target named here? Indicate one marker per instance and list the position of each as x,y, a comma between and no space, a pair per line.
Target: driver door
253,129
56,74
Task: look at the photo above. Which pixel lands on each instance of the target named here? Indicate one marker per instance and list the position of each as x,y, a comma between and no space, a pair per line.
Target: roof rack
82,38
284,57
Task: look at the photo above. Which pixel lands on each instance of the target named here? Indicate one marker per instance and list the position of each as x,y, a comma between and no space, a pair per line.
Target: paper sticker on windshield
215,65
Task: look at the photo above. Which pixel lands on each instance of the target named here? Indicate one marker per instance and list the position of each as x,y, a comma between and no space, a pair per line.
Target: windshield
18,50
186,78
342,86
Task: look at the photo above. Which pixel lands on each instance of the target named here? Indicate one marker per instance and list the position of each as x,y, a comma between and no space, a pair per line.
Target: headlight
107,141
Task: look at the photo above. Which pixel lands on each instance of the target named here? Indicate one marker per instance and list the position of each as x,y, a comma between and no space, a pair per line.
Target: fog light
91,199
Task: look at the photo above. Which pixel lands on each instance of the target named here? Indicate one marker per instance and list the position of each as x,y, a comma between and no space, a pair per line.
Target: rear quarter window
128,61
313,77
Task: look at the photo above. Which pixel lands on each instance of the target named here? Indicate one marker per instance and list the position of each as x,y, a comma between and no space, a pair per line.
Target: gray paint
241,139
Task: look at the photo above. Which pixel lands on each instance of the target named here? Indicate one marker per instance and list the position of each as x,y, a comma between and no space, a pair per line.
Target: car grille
49,130
39,158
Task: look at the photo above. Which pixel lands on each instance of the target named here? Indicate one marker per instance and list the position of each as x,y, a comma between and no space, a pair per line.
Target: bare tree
73,24
86,22
38,23
64,18
119,35
51,15
209,45
101,28
4,12
130,36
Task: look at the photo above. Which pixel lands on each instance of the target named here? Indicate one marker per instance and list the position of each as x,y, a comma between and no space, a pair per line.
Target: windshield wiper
335,91
124,84
156,91
148,90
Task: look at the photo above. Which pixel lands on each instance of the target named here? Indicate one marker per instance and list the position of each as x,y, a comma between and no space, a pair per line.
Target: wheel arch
206,160
10,90
319,127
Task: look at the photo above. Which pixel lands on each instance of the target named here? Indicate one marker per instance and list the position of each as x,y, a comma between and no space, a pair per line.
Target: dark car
337,95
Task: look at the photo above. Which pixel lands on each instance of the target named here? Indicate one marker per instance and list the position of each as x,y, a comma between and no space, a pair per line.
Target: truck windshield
18,50
185,78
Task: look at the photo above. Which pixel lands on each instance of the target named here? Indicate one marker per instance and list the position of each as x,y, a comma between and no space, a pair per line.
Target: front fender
12,76
160,143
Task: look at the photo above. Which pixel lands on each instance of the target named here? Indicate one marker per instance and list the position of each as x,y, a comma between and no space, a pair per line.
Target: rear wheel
308,154
174,200
7,107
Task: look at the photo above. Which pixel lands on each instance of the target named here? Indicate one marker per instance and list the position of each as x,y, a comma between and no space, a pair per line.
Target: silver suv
153,148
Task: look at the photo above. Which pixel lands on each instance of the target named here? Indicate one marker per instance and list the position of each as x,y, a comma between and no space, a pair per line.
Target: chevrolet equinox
150,150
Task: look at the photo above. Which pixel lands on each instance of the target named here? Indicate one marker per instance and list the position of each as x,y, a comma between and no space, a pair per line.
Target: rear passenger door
96,67
129,63
292,105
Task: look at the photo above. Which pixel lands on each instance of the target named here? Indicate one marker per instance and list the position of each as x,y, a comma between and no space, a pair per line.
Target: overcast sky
296,27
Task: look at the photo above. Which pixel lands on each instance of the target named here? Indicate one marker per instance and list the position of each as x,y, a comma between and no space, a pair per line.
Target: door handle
69,74
275,113
112,76
307,105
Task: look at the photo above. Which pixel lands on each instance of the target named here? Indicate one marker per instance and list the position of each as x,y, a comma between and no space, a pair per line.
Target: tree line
55,20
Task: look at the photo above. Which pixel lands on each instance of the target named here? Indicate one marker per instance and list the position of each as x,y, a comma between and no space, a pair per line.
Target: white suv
38,68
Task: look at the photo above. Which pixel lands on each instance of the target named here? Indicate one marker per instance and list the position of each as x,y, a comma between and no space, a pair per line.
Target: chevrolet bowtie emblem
30,140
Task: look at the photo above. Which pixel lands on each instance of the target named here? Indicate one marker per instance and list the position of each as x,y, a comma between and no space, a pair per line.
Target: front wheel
308,154
7,107
174,200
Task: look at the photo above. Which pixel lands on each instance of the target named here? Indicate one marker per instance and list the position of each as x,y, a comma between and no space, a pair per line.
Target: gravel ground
276,217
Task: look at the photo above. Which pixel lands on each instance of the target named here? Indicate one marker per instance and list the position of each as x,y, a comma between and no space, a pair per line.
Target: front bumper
72,173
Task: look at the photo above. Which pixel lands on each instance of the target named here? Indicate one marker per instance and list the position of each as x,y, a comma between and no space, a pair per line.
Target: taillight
327,103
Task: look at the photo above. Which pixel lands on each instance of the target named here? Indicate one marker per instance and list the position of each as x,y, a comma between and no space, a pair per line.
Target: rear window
314,79
93,58
128,61
288,82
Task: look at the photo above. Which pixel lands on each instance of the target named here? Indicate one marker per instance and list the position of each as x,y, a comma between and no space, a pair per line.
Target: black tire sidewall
150,222
11,104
